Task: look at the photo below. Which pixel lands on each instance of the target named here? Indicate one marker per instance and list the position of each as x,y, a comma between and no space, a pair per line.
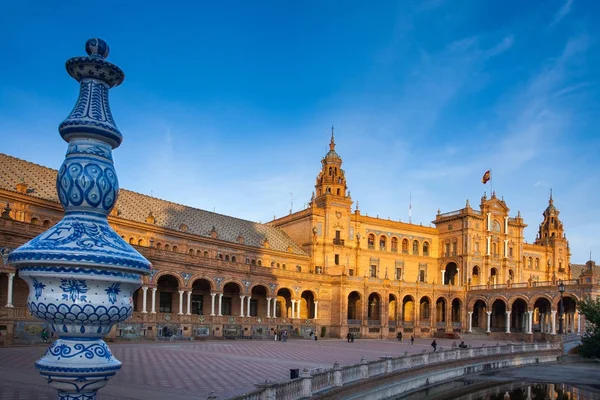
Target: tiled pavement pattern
180,371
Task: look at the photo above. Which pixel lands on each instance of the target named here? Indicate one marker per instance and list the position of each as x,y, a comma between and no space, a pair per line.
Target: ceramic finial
96,47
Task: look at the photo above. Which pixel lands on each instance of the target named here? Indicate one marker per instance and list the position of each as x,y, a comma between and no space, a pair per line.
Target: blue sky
227,106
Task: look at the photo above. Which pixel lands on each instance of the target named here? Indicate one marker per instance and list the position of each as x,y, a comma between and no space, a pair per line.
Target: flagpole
491,183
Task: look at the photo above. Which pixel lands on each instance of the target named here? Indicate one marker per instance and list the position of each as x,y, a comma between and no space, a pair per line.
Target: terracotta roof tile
134,206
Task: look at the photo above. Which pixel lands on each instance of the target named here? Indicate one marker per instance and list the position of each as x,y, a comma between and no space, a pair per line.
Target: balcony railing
338,242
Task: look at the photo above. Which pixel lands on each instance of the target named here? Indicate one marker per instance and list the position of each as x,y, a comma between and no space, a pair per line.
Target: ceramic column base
78,367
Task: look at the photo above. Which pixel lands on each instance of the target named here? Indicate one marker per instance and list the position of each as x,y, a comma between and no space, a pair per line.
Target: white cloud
562,12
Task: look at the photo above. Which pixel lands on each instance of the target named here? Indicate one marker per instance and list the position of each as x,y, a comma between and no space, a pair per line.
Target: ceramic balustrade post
364,368
337,375
81,273
306,383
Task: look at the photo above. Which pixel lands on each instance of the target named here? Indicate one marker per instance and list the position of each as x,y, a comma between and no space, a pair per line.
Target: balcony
338,242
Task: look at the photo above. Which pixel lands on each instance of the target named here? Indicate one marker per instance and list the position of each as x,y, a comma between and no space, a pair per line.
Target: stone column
316,309
220,313
553,322
180,303
248,306
153,311
458,279
242,305
443,276
470,321
144,298
274,307
189,303
530,323
9,303
212,304
508,321
293,309
578,323
542,323
489,321
268,307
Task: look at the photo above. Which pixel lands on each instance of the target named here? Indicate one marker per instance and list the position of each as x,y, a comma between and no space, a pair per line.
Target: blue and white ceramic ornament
81,274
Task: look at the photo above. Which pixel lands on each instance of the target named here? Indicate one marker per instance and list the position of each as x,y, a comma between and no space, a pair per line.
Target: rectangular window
351,272
476,247
454,246
398,274
253,307
447,249
197,303
373,271
165,301
510,251
226,306
422,275
337,259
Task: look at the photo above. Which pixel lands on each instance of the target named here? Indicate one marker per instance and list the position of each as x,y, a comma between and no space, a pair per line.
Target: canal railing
317,381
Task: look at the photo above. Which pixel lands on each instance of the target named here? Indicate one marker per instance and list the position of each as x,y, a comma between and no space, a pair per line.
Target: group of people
350,337
399,338
281,335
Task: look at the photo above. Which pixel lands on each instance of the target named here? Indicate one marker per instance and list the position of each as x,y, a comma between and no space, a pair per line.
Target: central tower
331,181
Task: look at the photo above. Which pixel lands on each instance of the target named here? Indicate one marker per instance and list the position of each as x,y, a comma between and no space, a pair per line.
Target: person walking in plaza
399,336
284,335
348,337
412,339
434,344
275,334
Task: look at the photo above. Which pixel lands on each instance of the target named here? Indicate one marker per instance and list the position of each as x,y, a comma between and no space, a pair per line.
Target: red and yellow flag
486,177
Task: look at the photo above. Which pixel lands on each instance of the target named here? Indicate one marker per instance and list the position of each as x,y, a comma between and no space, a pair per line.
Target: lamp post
561,290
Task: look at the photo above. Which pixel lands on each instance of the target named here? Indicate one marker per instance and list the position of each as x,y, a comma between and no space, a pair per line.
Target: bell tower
551,234
331,181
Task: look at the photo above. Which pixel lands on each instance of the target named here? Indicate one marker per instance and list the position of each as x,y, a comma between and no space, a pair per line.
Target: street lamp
561,290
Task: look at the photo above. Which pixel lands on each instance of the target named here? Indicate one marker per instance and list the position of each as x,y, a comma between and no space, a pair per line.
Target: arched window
530,263
233,258
272,264
278,265
227,257
167,247
198,253
253,262
159,246
415,247
395,245
35,221
330,171
537,263
131,240
371,241
404,246
140,242
283,266
259,263
191,252
175,248
205,253
46,224
425,248
382,242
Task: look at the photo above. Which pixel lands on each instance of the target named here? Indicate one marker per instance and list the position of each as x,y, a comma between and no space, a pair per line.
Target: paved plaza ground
191,370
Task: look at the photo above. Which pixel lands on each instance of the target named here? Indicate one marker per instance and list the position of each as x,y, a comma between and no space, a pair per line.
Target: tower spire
332,142
551,201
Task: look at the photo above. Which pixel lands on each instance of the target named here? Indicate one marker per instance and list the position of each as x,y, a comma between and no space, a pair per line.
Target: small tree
590,342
